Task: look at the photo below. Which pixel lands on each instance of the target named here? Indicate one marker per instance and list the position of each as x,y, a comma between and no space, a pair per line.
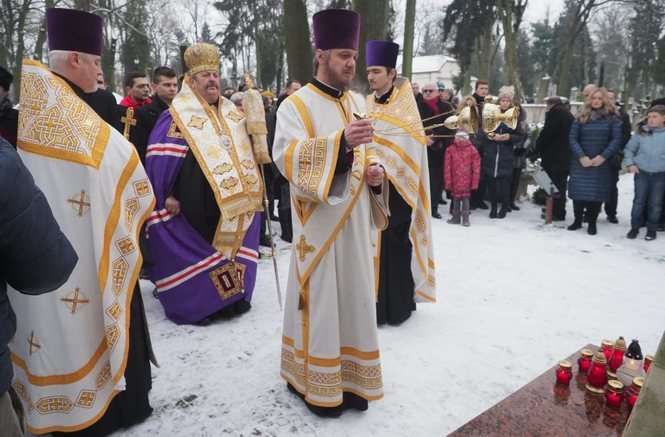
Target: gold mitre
201,57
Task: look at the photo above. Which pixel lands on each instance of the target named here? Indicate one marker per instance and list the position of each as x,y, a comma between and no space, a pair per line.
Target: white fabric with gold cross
402,147
330,340
71,345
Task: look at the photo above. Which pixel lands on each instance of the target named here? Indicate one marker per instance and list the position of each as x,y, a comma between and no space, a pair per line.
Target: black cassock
132,405
396,288
197,200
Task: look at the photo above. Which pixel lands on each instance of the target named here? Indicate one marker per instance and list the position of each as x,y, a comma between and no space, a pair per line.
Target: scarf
433,104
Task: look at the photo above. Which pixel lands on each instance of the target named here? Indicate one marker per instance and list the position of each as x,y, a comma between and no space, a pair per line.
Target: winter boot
455,219
493,213
465,213
505,209
579,215
632,234
651,235
591,229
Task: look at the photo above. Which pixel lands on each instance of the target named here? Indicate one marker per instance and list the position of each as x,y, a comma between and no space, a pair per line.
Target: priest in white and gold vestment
405,251
80,357
330,352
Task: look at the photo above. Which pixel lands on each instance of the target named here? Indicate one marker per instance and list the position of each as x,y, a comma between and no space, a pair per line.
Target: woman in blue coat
595,137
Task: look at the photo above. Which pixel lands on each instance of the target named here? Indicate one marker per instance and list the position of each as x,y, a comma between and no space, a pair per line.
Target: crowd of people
182,179
582,154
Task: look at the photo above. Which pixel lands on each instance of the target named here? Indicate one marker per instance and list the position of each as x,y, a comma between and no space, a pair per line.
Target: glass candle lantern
634,391
648,359
614,394
564,373
584,361
607,347
597,377
616,359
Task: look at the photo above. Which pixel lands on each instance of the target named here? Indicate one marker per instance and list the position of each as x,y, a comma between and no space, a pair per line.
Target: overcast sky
537,9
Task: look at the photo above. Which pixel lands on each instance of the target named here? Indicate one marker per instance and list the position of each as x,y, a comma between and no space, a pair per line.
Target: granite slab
543,408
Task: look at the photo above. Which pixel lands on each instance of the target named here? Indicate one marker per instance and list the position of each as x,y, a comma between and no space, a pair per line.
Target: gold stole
223,150
321,220
403,153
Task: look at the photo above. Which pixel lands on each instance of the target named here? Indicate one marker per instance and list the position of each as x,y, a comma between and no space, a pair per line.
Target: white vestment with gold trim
71,345
401,145
330,343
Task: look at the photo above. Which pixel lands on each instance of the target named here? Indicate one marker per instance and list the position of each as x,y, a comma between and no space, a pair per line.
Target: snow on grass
515,297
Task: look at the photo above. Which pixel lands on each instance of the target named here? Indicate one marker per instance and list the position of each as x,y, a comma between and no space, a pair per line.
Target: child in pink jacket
461,173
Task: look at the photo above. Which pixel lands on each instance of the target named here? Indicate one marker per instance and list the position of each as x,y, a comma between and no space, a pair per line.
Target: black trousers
560,180
285,212
588,209
435,187
499,191
611,205
515,184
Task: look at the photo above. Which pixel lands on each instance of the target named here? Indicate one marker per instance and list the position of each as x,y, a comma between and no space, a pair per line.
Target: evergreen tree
527,71
135,52
542,48
645,28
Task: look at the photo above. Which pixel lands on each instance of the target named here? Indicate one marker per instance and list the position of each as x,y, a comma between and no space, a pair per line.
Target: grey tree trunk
407,47
374,18
299,56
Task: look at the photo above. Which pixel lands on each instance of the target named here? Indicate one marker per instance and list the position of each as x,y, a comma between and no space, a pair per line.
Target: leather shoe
436,215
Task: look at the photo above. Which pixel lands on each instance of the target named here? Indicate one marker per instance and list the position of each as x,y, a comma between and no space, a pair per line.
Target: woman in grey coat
595,137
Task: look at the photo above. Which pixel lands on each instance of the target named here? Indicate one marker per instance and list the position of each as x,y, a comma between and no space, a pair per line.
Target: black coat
553,143
498,155
146,118
35,256
436,151
8,121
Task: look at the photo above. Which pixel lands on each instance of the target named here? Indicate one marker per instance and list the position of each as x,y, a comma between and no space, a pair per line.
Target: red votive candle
584,361
634,391
564,373
616,360
648,359
597,377
614,394
607,346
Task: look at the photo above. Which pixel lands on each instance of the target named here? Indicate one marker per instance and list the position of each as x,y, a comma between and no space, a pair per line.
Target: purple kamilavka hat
336,29
381,54
75,31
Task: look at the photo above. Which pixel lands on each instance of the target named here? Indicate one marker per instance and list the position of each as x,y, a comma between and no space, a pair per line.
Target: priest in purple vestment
204,231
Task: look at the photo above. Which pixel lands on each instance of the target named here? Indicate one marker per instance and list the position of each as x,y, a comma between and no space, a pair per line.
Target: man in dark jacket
615,162
8,115
165,88
553,147
280,184
437,150
35,258
481,91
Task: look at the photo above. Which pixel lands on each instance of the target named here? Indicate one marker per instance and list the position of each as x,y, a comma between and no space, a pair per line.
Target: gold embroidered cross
74,299
79,203
303,248
128,121
197,122
32,343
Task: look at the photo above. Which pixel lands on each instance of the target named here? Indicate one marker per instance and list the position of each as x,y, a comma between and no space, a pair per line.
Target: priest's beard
338,77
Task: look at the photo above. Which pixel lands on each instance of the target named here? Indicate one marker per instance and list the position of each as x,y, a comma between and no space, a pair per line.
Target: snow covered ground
515,297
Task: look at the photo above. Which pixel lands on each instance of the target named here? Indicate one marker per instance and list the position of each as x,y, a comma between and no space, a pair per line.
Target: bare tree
510,13
580,12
